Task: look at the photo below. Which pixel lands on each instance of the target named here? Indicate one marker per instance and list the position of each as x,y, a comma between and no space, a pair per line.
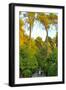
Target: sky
38,30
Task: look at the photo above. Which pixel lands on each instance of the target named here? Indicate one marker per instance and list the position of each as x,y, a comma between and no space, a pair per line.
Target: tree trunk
47,42
56,35
30,36
30,33
56,40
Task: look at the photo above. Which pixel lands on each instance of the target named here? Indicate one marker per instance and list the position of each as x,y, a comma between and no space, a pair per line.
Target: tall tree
46,20
42,17
53,19
30,20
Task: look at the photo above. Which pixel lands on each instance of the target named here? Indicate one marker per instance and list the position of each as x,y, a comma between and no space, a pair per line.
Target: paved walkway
38,74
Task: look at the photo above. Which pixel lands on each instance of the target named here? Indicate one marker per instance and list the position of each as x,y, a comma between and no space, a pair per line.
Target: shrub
53,67
23,63
27,73
52,71
32,64
41,56
28,59
49,64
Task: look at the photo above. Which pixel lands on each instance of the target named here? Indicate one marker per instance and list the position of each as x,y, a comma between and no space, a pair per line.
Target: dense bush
41,55
28,61
54,55
48,64
32,64
27,73
53,68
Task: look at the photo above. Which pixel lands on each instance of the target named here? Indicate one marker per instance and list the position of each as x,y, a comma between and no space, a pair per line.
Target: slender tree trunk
30,33
47,42
30,36
56,40
56,35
